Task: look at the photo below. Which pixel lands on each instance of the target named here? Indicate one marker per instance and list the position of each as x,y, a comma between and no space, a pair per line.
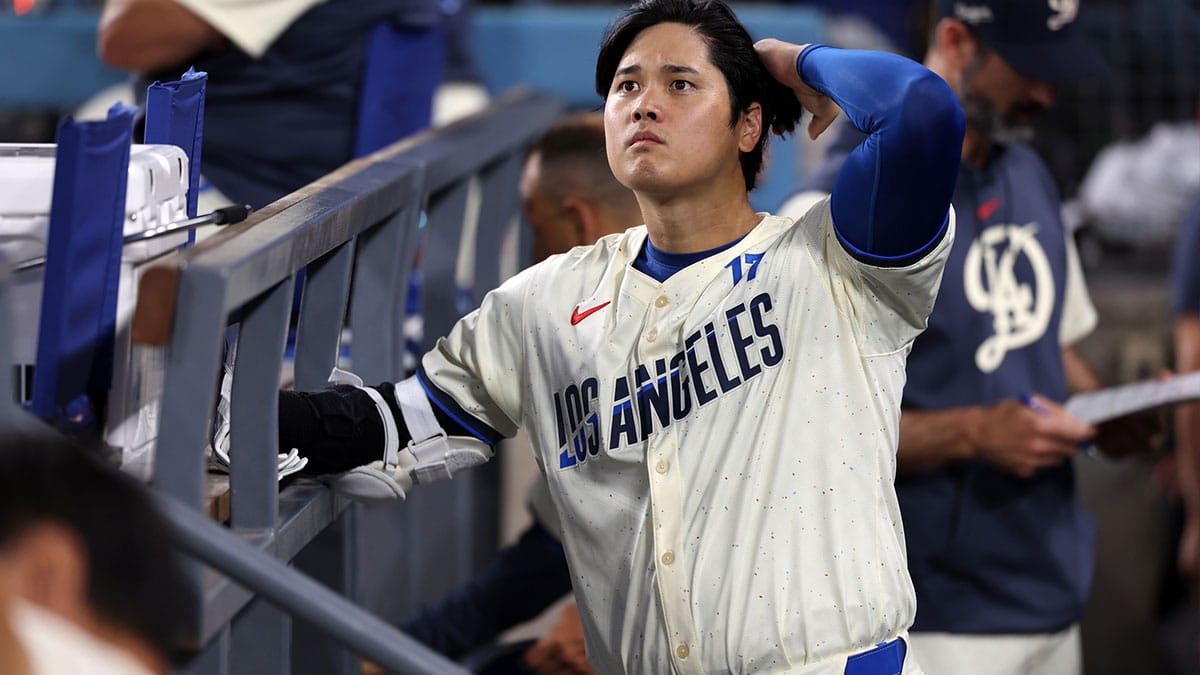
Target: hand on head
780,59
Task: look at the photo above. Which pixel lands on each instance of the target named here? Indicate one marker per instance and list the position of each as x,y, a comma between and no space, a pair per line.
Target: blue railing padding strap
83,260
175,116
403,67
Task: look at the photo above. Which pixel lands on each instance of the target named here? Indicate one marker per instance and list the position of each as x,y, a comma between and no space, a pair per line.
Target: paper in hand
1094,407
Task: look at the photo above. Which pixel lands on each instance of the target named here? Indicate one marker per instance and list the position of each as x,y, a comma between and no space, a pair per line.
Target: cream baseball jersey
720,447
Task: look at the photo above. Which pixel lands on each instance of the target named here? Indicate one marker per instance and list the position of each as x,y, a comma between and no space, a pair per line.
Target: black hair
730,49
574,137
135,579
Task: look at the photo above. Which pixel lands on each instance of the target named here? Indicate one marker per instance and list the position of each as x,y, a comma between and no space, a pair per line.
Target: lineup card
1106,404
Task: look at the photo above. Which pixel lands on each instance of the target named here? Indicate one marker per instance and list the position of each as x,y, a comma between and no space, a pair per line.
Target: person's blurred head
570,196
686,73
83,541
1004,59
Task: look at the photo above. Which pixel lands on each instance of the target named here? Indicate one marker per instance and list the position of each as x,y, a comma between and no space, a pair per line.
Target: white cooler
156,195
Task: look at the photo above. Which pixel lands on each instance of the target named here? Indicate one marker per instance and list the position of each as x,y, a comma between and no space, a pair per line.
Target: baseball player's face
666,116
999,101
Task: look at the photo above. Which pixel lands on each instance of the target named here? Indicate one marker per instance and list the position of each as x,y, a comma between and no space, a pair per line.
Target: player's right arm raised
890,201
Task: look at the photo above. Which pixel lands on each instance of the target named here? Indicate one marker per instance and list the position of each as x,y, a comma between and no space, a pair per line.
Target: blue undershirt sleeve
891,199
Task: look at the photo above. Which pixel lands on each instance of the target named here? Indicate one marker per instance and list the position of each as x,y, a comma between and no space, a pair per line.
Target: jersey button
651,334
667,559
661,301
682,651
662,466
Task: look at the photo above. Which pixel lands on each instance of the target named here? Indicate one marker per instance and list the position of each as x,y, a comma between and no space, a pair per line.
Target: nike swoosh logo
577,316
987,208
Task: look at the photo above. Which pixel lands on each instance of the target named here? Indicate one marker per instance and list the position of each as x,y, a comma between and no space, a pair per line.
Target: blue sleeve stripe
447,405
903,260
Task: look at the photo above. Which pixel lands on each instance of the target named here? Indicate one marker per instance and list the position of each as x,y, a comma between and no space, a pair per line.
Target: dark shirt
276,123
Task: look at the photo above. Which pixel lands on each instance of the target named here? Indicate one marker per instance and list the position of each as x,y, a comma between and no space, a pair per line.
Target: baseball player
713,396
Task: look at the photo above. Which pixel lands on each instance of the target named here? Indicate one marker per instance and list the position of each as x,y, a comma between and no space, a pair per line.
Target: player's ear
955,43
749,127
585,221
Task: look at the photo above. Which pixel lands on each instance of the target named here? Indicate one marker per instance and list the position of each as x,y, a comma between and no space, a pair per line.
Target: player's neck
691,225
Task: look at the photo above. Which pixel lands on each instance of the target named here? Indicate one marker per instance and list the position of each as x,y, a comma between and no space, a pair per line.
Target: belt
886,658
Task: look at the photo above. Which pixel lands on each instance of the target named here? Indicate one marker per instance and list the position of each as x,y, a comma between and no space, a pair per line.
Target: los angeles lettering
716,359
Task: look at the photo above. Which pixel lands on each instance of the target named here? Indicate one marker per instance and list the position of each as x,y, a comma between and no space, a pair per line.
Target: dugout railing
451,191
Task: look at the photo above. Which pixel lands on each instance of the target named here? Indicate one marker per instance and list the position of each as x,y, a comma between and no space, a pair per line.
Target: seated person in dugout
714,396
88,580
